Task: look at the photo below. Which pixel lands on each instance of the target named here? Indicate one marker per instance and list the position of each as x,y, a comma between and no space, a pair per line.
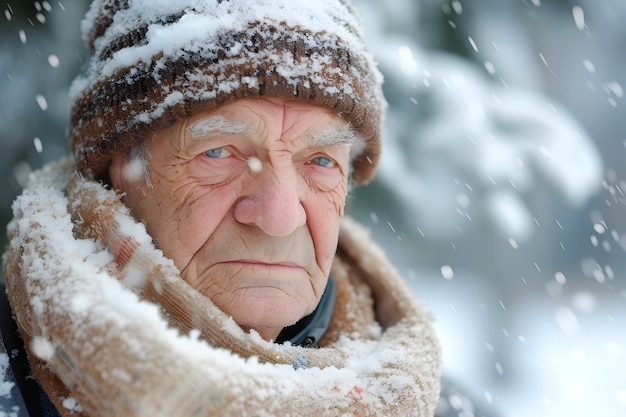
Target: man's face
246,201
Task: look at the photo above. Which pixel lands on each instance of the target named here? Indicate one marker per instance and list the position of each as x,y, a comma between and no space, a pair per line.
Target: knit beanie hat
154,62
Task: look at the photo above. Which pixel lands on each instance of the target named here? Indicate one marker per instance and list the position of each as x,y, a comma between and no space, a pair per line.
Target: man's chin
267,315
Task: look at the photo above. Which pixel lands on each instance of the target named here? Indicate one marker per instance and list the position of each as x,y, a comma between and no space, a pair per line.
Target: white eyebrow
332,137
212,125
218,125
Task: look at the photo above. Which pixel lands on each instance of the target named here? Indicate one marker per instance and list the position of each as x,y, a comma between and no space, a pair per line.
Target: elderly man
192,258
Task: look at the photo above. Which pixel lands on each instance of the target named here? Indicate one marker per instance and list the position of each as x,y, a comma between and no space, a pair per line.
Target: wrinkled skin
248,208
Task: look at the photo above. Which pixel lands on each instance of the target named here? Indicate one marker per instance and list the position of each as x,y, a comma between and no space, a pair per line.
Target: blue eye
217,153
323,161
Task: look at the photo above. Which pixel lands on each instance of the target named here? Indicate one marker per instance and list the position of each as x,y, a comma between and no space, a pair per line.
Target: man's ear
116,172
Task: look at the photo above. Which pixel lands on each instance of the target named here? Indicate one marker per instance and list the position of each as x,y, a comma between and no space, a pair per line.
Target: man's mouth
253,262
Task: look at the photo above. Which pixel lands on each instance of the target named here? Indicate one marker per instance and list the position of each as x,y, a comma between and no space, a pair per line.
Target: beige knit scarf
112,329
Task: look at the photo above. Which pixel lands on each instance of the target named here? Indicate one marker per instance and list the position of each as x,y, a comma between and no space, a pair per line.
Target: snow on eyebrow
332,137
212,125
218,125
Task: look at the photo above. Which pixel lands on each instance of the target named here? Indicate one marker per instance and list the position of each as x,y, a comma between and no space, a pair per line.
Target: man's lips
253,262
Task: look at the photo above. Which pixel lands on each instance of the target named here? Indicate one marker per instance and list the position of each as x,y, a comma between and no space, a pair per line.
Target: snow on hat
154,62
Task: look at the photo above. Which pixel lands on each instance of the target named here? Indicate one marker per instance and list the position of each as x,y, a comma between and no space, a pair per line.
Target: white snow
71,404
43,348
97,308
507,141
254,164
507,58
5,385
579,17
198,30
447,272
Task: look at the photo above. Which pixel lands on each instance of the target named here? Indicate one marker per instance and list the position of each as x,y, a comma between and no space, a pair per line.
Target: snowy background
500,191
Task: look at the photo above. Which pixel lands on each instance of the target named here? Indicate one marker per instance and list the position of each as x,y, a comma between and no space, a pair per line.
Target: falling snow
525,160
53,60
579,17
42,102
447,272
254,164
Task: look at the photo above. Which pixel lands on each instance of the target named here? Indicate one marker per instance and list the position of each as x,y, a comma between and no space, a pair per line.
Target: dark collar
309,330
36,402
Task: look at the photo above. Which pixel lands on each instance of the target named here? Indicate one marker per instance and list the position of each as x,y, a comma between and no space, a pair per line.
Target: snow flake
71,404
43,103
447,272
566,320
579,17
43,348
5,385
53,60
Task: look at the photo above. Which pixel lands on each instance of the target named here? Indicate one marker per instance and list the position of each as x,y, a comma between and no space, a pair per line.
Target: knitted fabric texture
154,62
109,322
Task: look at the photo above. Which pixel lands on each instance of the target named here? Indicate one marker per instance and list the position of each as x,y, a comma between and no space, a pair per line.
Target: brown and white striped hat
157,61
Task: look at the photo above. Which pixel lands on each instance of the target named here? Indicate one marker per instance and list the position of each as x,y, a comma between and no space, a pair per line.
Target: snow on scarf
110,324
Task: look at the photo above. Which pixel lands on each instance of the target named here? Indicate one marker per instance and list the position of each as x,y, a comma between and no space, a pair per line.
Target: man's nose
274,204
